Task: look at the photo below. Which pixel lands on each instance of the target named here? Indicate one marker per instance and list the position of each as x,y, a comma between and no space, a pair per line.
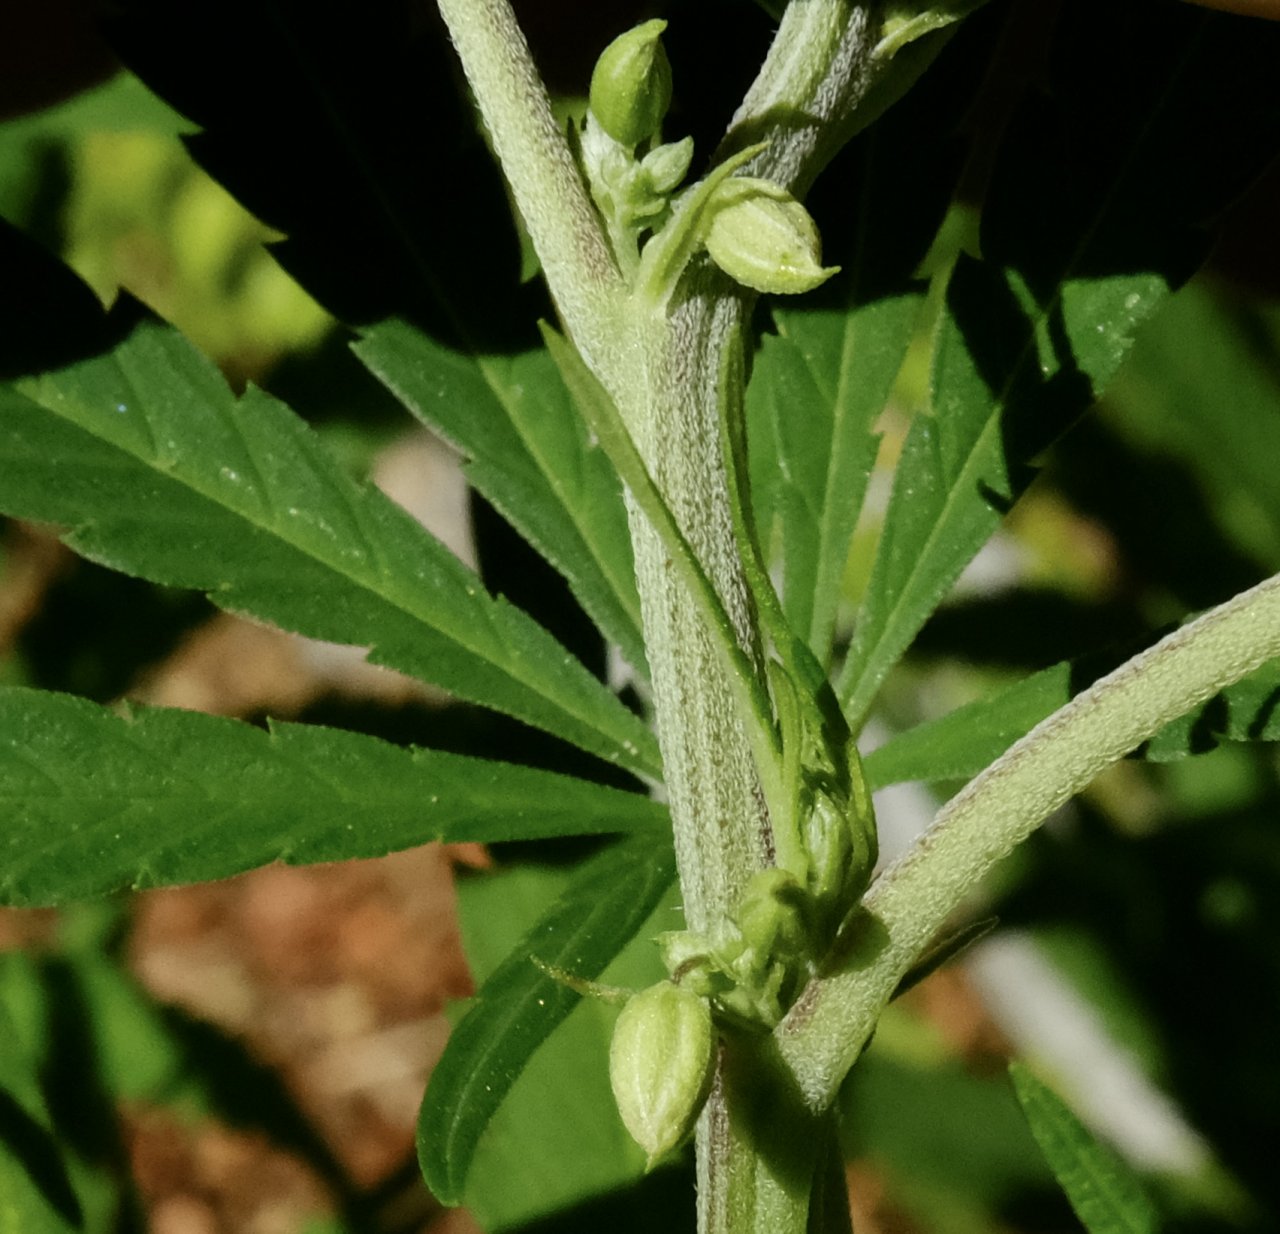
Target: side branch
1000,807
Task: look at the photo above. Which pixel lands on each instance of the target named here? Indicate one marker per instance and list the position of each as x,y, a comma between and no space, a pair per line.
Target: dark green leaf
161,472
96,801
519,1007
1095,211
529,454
1203,385
1102,1189
819,384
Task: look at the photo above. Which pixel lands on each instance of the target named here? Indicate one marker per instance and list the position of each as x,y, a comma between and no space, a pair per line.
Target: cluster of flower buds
753,229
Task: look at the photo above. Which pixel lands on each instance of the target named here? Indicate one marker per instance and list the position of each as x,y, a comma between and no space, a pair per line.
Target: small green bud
631,85
665,166
661,1061
764,238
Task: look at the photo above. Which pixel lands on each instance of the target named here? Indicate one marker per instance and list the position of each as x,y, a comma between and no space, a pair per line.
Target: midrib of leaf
627,597
96,811
824,615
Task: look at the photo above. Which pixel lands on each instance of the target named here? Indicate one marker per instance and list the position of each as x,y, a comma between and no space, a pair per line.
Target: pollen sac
764,238
661,1061
631,85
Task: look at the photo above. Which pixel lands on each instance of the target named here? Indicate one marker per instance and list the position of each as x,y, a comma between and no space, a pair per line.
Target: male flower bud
661,1061
631,85
665,166
764,238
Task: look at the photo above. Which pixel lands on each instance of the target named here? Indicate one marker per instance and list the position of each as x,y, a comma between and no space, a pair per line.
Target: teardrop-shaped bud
631,84
661,1061
665,166
763,237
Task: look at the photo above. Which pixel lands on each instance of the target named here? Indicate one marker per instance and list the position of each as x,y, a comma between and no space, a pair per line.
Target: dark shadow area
96,630
48,316
348,131
663,1200
1155,511
36,1152
1191,917
1030,628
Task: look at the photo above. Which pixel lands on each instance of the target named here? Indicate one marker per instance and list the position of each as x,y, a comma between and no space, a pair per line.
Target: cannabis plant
690,441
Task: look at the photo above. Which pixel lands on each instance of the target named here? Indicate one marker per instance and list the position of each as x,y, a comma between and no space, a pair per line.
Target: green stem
906,907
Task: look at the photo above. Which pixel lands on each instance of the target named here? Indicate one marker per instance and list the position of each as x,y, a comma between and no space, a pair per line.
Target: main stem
757,1145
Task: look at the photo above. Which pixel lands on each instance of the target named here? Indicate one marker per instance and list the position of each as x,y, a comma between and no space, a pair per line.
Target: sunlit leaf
96,801
158,470
1102,1189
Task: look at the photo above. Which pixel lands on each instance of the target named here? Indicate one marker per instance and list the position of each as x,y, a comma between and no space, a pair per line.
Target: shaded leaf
36,1195
1095,211
96,801
820,383
161,472
1203,385
529,454
599,912
1104,1192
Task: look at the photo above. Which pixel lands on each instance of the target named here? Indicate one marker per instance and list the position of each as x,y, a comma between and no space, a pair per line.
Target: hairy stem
827,1029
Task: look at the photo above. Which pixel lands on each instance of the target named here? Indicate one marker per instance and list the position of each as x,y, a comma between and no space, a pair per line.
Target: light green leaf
1104,1192
596,914
159,471
36,1194
529,453
95,801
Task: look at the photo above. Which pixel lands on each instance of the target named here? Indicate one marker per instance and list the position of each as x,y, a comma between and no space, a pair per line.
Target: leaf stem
831,1023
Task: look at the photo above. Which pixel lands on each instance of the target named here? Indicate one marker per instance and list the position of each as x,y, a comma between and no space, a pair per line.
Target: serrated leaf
1094,213
529,453
519,1007
350,136
819,385
823,379
96,801
161,472
1103,1191
36,1195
